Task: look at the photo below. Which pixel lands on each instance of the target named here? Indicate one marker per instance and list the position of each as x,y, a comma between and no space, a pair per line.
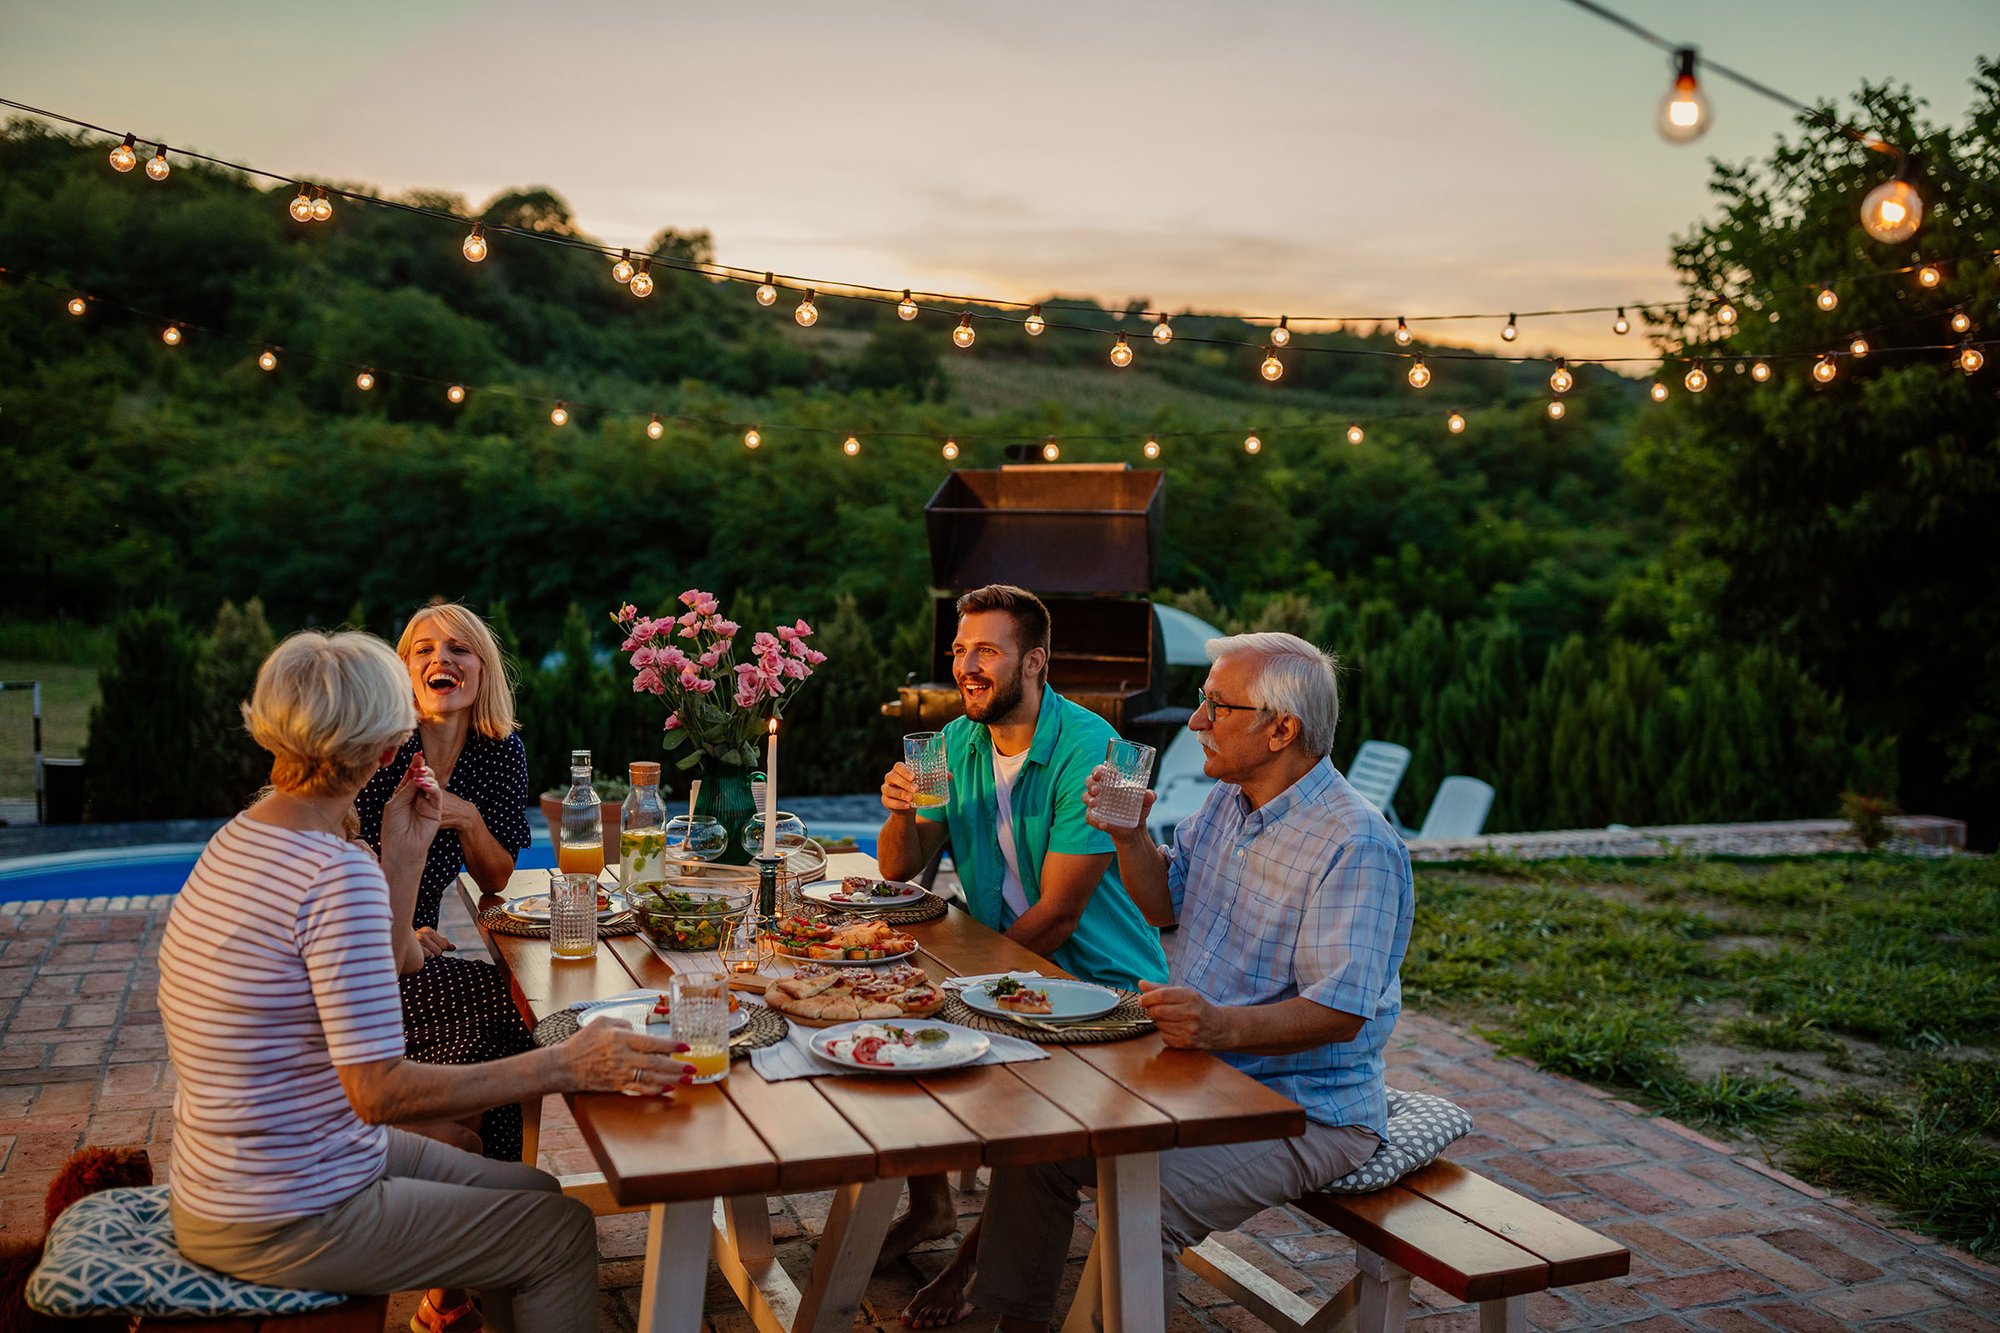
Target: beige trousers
438,1217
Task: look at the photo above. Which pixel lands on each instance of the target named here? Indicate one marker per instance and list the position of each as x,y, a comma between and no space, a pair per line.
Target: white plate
535,906
963,1047
1069,1000
848,962
828,891
637,1011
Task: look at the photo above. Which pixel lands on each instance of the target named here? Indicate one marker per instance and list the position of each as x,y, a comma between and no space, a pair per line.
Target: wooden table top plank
1209,1101
1015,1121
1418,1234
1573,1252
963,947
815,1146
1118,1121
694,1145
912,1133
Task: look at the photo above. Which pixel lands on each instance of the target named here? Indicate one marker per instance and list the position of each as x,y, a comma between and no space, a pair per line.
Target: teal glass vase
725,794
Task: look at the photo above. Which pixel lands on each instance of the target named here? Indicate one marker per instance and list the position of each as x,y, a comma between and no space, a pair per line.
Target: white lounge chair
1181,786
1375,774
1458,810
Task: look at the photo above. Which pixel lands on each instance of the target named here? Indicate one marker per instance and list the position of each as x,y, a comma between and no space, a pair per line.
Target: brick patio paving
1720,1240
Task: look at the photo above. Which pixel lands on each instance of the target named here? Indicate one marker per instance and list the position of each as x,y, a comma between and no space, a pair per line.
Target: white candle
771,790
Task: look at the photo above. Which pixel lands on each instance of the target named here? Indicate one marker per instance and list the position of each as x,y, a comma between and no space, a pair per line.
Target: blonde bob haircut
493,709
326,706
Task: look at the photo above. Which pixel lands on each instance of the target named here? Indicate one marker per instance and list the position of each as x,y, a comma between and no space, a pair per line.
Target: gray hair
1294,678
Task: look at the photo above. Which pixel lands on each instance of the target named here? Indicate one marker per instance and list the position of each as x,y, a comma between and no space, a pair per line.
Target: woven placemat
958,1011
765,1028
499,922
927,908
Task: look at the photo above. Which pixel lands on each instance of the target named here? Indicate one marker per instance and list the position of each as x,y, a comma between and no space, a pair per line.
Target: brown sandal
436,1313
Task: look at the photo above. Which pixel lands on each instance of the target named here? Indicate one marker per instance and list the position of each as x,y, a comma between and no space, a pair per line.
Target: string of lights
314,204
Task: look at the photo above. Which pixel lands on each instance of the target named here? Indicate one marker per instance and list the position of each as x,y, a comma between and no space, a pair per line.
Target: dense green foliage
1843,1008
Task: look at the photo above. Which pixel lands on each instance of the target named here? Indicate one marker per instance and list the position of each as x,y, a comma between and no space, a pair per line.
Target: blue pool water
115,872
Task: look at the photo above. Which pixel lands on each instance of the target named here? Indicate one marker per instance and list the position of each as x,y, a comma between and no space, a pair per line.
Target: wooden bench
1477,1240
359,1314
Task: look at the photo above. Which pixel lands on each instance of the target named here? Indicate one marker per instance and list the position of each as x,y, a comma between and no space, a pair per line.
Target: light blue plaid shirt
1310,895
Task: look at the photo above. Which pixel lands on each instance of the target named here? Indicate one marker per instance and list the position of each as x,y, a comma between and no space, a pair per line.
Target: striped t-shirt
276,966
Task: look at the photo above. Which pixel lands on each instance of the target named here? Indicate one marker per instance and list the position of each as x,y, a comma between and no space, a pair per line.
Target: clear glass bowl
791,834
691,916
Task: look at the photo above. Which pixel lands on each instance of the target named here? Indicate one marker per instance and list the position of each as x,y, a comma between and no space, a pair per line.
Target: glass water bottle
581,850
642,830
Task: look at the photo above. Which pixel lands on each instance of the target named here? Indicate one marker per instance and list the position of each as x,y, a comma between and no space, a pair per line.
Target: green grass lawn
1841,1014
68,694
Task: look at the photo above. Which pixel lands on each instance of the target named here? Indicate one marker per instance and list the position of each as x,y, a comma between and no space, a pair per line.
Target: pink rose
671,658
689,597
705,604
673,722
648,682
796,669
643,656
802,629
726,628
625,613
763,643
710,658
703,685
814,657
746,695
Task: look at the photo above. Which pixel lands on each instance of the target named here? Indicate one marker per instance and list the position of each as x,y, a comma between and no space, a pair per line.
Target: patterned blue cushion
1420,1127
113,1253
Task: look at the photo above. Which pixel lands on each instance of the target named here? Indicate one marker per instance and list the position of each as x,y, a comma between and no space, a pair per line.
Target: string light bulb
1696,379
1354,434
964,335
654,428
1560,379
1893,210
850,446
1658,392
1929,276
1960,321
752,438
807,313
1725,314
1684,111
767,291
302,207
1621,325
475,244
1282,335
365,380
1970,359
1163,332
642,281
267,360
171,335
77,305
1761,372
1121,352
906,308
455,394
1273,369
559,415
621,271
1051,451
1827,298
122,157
1152,449
1859,347
1455,424
1251,444
1034,323
1403,334
1509,331
1420,374
156,165
1556,409
322,206
1824,370
950,450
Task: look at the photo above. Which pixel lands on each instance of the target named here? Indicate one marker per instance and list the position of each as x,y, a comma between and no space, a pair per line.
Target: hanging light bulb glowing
1121,353
267,360
122,157
322,206
1696,378
1282,335
1970,359
302,207
767,291
1251,444
851,446
1893,210
156,165
621,270
1859,347
1152,449
950,450
1403,334
171,335
1621,324
963,335
475,244
1725,314
1420,374
1034,324
1960,321
1163,332
654,430
1658,392
1455,424
1824,370
1354,435
1509,332
1827,298
642,281
1050,451
1556,409
559,415
1273,369
77,305
1761,372
455,394
807,313
752,438
1929,276
906,308
1560,379
365,381
1684,111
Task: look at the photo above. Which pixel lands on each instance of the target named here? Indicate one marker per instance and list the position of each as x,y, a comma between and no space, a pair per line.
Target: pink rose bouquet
716,705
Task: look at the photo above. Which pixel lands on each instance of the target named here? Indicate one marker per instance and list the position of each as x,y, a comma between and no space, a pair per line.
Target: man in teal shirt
1030,865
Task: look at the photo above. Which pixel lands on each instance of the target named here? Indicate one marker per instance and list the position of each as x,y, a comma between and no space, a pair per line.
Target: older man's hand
1120,833
1185,1019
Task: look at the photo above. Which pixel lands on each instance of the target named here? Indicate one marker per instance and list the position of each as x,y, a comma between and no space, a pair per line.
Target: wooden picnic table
704,1162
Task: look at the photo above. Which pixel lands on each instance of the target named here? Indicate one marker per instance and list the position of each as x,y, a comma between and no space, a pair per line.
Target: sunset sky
1354,158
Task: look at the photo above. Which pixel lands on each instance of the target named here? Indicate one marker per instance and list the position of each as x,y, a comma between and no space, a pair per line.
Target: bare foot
941,1302
913,1229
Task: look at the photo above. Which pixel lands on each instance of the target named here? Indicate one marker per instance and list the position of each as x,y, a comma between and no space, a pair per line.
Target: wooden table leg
1128,1228
846,1255
676,1270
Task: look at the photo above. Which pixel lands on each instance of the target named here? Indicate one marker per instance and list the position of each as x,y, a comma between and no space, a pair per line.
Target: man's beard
1002,699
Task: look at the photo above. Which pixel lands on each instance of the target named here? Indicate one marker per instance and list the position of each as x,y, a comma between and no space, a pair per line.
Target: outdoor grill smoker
1085,538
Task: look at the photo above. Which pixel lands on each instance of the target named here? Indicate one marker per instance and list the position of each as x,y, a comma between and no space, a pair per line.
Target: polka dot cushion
113,1253
1420,1127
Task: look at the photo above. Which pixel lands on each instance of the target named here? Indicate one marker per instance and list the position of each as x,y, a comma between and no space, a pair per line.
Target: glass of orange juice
701,1020
924,752
581,858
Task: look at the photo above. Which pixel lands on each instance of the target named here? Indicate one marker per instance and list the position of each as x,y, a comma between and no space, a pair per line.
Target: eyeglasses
1210,707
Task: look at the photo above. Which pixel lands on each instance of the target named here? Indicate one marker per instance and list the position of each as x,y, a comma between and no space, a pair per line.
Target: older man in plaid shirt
1293,898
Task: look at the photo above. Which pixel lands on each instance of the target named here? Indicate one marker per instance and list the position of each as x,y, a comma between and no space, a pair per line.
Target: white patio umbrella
1185,635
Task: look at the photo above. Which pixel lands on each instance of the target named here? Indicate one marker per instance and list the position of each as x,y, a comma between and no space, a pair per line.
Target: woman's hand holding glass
609,1056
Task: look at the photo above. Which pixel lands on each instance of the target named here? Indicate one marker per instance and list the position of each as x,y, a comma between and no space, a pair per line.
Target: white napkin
960,983
793,1058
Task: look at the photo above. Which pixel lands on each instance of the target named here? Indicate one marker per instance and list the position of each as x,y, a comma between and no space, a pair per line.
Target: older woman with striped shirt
278,989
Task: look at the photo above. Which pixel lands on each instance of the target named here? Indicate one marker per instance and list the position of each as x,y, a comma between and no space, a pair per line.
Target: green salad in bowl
687,919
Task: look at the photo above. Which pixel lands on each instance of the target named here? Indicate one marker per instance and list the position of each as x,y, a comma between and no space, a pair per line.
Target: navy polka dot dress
458,1010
